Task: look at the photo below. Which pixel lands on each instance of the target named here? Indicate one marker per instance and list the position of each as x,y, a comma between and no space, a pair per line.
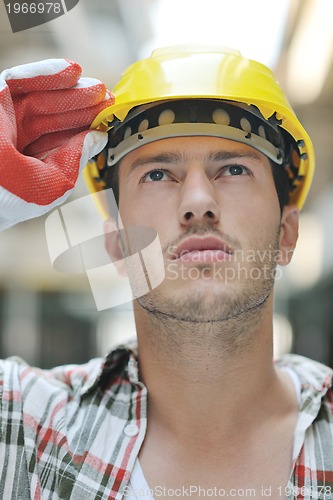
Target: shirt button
131,430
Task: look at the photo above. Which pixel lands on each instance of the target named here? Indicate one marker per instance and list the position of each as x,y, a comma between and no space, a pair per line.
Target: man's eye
235,170
155,175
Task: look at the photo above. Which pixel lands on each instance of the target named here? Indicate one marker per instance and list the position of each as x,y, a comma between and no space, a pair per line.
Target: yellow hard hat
209,73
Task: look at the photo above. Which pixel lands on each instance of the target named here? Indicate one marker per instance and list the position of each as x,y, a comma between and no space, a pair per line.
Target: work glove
45,113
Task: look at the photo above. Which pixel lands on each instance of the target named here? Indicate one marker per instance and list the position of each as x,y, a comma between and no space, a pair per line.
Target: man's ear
113,245
288,234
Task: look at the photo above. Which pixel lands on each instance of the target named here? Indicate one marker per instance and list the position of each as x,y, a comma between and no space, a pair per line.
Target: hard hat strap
195,117
192,129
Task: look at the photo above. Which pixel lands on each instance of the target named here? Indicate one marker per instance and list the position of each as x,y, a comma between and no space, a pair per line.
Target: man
203,148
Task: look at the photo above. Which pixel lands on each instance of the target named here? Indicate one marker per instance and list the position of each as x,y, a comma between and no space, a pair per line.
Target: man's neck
196,372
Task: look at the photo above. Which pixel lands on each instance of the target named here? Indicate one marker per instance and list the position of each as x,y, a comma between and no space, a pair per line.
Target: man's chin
206,300
192,306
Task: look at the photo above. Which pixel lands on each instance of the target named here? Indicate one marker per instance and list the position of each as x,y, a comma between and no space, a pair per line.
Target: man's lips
204,249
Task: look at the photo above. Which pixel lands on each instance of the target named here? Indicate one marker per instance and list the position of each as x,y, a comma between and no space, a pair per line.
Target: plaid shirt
74,432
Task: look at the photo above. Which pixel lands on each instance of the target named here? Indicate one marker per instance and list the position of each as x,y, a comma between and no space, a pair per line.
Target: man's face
215,208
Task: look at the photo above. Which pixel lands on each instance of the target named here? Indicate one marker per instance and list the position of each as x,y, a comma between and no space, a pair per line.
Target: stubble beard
241,297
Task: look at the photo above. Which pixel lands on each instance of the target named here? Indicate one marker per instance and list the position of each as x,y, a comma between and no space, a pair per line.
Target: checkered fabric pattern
67,433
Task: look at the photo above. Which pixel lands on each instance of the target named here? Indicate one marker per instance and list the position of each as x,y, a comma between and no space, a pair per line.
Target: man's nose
198,202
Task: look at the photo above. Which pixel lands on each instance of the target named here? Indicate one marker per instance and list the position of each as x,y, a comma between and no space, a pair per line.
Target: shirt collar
121,361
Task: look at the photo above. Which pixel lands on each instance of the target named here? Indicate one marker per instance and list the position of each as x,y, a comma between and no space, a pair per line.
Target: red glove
46,110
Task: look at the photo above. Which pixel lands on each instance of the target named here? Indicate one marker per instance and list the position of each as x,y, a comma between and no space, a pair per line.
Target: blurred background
50,318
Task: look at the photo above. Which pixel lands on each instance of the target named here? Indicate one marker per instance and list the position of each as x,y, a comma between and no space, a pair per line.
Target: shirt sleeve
14,479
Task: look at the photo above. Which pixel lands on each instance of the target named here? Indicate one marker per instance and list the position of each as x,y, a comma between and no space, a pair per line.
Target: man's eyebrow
175,157
156,158
229,155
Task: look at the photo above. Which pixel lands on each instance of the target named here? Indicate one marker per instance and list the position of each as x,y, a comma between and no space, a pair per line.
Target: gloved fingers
69,159
7,117
47,182
57,132
49,74
88,92
30,130
47,142
32,187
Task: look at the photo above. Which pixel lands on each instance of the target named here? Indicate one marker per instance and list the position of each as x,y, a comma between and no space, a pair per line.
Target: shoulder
314,430
16,374
310,372
316,384
29,395
17,377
